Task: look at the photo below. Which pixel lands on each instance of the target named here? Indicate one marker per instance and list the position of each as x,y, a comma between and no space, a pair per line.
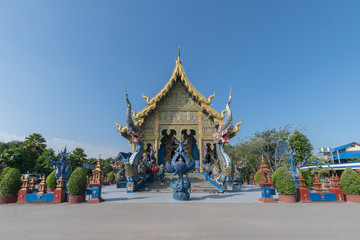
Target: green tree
107,168
301,145
267,143
12,144
77,158
43,164
21,158
35,142
111,176
91,161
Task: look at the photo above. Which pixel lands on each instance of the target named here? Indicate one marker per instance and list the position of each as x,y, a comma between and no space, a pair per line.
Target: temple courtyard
150,215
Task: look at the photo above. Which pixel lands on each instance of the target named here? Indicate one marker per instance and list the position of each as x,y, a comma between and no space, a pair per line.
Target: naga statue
225,132
131,166
60,166
121,173
180,165
295,169
209,163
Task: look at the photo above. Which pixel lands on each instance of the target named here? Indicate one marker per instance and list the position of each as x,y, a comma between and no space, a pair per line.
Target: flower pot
246,183
76,198
353,198
287,198
7,199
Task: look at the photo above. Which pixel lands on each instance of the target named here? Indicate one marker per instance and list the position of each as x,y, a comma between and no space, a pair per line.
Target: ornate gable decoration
178,74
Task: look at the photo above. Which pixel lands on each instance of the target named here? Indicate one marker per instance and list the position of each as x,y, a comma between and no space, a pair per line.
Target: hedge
283,181
51,180
77,182
10,183
350,182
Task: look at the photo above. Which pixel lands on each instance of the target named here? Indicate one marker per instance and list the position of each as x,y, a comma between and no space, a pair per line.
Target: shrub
350,182
283,181
111,177
77,182
274,175
257,177
4,173
308,178
245,178
10,183
51,180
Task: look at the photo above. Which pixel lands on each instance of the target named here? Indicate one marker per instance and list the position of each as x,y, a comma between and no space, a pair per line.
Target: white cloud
7,137
58,144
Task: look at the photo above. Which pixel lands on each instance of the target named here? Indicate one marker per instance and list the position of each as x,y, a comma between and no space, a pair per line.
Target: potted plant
111,177
77,186
284,184
10,184
257,177
51,181
350,184
245,179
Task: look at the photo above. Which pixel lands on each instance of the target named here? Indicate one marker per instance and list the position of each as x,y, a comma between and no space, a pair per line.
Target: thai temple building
178,111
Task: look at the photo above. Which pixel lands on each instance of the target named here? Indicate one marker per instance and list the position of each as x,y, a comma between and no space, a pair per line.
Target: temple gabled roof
179,73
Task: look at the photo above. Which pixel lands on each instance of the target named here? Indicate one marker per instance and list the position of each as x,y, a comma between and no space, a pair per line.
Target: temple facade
179,111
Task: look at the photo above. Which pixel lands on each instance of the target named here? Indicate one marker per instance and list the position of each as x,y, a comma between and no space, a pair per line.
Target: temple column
200,138
157,136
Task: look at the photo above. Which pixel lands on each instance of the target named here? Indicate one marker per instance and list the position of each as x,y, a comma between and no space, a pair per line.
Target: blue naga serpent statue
180,165
59,166
223,135
131,167
295,169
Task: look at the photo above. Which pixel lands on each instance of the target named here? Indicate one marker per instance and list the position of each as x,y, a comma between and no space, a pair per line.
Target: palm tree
35,142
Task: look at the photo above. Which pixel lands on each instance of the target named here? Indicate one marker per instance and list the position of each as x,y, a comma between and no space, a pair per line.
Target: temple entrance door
167,146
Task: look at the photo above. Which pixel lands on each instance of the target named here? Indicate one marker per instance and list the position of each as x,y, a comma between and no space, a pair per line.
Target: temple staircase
198,184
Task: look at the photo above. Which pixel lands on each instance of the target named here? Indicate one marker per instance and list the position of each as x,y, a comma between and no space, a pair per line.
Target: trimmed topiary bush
308,178
257,177
77,182
283,181
350,182
10,183
111,177
51,180
4,172
274,175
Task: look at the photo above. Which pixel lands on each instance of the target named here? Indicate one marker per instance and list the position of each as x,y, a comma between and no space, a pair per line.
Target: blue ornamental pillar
96,195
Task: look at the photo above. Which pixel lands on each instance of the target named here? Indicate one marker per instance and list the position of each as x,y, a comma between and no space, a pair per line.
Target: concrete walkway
179,220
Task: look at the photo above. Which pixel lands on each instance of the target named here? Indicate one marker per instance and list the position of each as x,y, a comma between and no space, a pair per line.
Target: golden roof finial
178,60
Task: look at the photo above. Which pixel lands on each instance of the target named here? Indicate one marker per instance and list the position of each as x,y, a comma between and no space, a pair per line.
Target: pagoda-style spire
178,61
97,177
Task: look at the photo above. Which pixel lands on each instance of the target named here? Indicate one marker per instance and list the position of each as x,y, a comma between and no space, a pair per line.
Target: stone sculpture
180,165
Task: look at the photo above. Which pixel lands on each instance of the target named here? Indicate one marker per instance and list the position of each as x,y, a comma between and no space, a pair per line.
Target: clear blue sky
64,64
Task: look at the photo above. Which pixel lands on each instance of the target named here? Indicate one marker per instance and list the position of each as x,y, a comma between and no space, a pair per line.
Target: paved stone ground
155,216
190,220
245,194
